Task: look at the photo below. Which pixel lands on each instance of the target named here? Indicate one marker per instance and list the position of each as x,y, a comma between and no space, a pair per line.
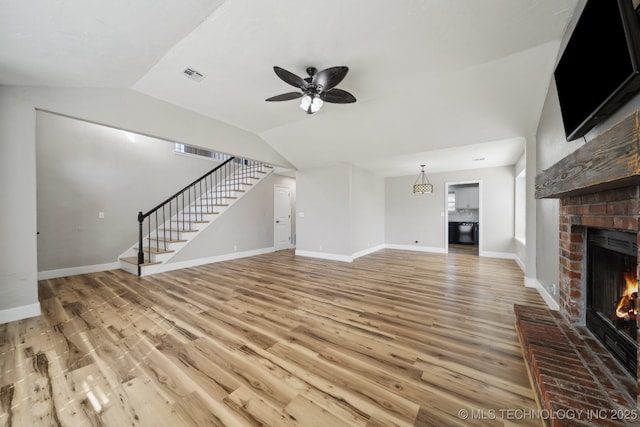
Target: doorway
463,218
282,217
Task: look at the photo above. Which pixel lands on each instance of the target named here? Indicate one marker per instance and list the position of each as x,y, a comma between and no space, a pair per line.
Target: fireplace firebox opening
612,292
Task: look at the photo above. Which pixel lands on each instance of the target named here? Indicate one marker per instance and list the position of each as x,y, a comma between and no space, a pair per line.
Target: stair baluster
163,224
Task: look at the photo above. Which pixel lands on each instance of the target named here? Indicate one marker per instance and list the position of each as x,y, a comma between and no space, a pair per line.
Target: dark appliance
466,233
599,69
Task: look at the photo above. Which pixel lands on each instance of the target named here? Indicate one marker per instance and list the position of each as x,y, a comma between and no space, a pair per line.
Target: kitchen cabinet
467,198
453,232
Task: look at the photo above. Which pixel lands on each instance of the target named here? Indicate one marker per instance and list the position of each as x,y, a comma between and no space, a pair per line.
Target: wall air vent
193,74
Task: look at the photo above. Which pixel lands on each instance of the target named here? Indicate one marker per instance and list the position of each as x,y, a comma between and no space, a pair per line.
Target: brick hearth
569,367
598,186
573,373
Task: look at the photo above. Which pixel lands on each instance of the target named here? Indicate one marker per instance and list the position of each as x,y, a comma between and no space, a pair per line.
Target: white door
282,214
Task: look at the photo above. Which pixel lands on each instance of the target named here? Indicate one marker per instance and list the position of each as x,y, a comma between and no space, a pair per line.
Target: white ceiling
440,82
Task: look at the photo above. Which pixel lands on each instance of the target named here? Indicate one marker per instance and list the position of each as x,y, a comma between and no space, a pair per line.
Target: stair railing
187,207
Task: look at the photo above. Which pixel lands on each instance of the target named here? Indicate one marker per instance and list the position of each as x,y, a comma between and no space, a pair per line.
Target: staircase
170,226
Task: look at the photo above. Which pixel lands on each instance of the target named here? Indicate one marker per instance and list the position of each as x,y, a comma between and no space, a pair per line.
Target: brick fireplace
598,187
615,209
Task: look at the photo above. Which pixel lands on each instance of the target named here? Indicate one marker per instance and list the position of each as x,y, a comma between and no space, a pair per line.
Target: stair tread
216,198
155,251
216,195
134,260
202,213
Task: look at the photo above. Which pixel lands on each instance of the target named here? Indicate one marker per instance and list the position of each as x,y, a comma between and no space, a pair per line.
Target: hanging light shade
422,185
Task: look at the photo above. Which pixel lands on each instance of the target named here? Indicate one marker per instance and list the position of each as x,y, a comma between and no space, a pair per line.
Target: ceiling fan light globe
305,102
316,104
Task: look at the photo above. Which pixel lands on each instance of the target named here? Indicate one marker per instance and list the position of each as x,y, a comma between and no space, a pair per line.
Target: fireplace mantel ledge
610,160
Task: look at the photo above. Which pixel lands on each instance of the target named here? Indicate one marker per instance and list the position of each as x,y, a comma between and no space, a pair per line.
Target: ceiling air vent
193,74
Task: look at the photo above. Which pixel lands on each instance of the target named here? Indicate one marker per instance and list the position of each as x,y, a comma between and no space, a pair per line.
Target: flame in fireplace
628,304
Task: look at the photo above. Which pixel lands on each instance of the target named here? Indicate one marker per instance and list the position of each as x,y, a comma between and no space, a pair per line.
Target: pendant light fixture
422,185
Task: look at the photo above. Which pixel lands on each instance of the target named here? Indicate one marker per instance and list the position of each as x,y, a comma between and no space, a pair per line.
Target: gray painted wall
551,147
415,217
247,226
343,208
410,217
83,169
324,198
18,263
367,210
119,108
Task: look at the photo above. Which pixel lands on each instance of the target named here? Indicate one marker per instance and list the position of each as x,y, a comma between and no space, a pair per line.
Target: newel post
140,247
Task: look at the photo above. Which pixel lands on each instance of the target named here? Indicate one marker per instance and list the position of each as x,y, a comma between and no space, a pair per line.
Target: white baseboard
520,264
19,313
64,272
74,271
546,296
170,266
503,255
337,257
325,255
368,251
416,248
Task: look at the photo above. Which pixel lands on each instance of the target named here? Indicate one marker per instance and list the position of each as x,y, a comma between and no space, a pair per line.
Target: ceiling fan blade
338,96
290,78
329,78
285,96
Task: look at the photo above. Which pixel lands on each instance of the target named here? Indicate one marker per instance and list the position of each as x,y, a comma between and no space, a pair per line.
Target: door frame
447,184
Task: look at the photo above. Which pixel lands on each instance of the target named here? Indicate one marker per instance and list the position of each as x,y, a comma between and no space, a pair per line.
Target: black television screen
598,70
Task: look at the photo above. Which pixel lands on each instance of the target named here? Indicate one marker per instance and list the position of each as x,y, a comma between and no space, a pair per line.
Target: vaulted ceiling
441,82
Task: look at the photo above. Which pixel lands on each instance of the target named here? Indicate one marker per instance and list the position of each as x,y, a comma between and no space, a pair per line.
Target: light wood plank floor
463,249
395,338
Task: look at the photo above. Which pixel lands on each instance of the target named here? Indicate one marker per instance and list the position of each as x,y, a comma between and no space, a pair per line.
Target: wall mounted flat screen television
599,69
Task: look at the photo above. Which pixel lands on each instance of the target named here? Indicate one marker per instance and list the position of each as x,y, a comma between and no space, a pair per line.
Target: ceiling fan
319,87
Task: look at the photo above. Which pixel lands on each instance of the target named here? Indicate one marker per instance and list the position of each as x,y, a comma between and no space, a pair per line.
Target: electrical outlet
101,215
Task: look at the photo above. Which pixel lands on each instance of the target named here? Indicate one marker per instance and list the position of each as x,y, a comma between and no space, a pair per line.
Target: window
189,149
451,202
520,207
